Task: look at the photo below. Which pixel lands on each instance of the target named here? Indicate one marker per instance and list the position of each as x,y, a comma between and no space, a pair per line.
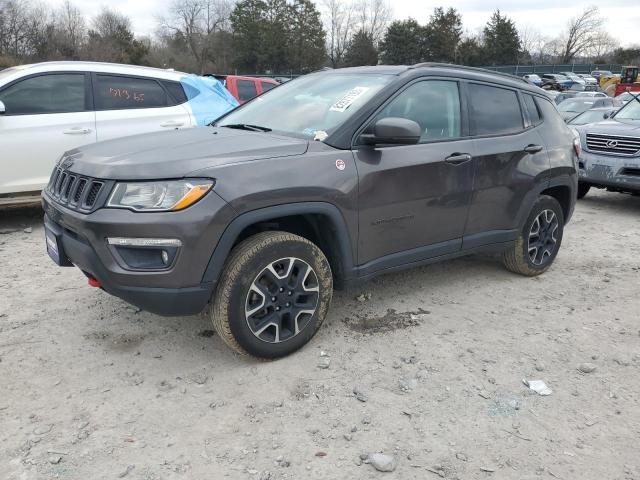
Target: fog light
165,257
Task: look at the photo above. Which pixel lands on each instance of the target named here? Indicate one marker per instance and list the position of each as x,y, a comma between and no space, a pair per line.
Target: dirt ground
427,366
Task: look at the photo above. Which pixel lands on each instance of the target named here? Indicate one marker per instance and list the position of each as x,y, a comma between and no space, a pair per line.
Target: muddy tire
539,240
583,189
273,295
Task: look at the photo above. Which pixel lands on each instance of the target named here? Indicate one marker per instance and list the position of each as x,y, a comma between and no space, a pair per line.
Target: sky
547,16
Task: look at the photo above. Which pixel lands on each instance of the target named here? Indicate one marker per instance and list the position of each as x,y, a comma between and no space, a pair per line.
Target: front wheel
273,295
539,240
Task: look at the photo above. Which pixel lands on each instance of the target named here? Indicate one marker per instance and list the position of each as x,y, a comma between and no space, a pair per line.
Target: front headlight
160,196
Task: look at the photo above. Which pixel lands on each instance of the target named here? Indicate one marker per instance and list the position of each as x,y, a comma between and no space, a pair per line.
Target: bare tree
531,41
339,18
71,28
197,23
582,33
373,18
604,45
14,28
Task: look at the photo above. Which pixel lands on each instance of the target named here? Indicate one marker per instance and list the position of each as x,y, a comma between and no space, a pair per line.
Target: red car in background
245,88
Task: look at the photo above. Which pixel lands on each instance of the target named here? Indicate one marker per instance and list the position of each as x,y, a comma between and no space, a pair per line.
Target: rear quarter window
176,91
494,110
532,109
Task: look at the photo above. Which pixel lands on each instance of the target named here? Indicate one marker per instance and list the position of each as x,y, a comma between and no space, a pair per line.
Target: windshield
574,105
631,111
590,116
313,106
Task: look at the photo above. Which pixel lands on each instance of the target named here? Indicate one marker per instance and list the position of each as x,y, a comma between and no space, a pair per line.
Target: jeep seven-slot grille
74,191
613,144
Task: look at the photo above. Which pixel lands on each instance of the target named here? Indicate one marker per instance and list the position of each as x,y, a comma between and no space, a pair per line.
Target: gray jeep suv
326,180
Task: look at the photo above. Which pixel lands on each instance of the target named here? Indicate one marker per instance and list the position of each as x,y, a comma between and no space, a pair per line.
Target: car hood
178,153
613,127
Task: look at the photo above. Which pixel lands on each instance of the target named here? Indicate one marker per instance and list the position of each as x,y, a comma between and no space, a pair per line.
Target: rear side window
246,89
119,92
267,86
494,110
59,93
532,109
176,91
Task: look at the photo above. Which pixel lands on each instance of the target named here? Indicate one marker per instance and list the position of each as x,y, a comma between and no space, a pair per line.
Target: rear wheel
273,295
583,189
539,241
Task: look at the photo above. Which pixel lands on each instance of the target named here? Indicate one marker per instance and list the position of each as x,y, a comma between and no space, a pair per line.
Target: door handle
172,123
77,131
533,148
458,158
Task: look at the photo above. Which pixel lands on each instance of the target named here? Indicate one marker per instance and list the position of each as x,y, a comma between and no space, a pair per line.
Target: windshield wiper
246,126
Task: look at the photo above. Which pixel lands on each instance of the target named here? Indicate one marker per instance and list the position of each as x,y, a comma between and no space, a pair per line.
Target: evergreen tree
443,33
501,40
361,51
403,43
306,37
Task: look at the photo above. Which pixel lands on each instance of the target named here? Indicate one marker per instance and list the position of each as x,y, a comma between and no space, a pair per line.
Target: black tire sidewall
583,189
248,272
543,203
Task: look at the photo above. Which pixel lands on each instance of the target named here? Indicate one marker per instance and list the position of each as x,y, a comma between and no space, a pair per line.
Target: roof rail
471,69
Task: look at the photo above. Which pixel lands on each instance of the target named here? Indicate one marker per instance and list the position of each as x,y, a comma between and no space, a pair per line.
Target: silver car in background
610,154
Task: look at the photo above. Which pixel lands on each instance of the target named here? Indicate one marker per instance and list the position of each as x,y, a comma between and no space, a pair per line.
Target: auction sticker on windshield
350,97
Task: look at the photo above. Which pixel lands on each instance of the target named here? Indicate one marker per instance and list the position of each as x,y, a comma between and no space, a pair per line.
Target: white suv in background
49,108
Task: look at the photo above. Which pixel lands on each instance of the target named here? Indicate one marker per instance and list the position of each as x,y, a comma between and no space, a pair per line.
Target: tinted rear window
119,92
246,89
494,110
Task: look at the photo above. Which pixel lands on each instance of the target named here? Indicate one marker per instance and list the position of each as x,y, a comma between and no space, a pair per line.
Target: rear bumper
615,172
177,290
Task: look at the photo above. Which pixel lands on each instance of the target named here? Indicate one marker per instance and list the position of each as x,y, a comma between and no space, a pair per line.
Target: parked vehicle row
329,179
563,81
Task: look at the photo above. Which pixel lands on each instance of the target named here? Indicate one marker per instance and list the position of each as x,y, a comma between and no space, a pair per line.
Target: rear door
129,105
510,161
46,115
414,199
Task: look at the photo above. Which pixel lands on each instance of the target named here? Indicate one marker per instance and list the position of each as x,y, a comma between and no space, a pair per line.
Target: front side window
312,106
54,93
114,92
494,110
246,89
434,105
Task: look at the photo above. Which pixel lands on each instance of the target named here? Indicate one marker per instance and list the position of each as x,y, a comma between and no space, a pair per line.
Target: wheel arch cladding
319,222
563,194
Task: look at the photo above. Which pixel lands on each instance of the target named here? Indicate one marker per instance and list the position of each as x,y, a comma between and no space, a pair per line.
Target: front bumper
178,289
614,172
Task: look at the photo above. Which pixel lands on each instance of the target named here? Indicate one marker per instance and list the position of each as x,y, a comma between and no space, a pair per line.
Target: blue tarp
208,98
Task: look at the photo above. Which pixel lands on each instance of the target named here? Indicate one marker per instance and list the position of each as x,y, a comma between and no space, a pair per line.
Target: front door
413,199
46,115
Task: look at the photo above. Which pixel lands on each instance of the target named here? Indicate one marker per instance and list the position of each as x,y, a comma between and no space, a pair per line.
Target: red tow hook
93,282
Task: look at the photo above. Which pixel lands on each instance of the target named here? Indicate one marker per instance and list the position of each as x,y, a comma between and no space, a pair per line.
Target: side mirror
606,115
393,131
3,109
